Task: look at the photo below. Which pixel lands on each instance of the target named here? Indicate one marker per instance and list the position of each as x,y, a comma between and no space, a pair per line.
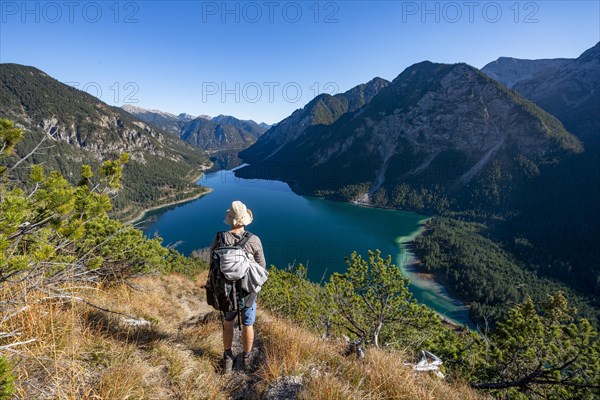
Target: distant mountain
228,133
83,129
168,122
249,126
221,133
322,110
435,126
566,88
188,117
223,137
510,71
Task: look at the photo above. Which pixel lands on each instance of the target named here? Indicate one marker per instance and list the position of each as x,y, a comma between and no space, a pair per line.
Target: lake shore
409,266
142,214
195,178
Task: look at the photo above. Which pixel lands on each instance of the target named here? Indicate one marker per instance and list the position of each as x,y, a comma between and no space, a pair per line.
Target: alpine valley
509,176
222,136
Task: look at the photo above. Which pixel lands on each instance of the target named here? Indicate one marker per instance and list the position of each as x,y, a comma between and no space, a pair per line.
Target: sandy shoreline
424,280
413,235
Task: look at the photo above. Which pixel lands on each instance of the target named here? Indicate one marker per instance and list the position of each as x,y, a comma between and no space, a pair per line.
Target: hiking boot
246,362
227,361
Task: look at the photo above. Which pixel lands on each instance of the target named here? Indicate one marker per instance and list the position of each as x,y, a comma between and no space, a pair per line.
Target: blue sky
262,60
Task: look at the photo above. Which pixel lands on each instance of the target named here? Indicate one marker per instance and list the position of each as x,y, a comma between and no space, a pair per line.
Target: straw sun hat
238,214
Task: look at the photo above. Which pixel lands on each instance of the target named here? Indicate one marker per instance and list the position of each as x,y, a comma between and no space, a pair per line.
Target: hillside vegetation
174,353
75,128
484,273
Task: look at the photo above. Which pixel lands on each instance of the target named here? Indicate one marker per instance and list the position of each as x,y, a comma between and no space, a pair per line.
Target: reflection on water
225,160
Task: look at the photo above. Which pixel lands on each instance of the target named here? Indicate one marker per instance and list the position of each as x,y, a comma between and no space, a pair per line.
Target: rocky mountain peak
436,124
510,70
591,54
323,110
566,88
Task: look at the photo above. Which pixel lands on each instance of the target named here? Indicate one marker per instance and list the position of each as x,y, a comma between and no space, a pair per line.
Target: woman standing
238,216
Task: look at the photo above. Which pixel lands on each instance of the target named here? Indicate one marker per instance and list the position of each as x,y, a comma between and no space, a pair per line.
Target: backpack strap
244,239
220,239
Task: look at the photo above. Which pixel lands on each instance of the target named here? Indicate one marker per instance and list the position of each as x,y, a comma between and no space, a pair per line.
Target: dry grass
290,350
85,353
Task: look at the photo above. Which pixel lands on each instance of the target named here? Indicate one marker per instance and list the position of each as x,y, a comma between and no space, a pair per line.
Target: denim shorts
248,315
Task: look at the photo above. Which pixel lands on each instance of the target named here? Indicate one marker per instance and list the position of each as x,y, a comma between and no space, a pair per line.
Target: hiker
238,217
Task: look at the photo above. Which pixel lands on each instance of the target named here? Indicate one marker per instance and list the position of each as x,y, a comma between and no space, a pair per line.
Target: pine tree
543,354
372,302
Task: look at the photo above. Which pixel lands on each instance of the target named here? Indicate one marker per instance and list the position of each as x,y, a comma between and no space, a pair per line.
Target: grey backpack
233,275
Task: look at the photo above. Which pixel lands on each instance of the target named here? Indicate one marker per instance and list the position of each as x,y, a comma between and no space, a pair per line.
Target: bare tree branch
8,346
32,152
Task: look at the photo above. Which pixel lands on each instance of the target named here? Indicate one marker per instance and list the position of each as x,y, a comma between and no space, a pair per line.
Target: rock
284,388
135,322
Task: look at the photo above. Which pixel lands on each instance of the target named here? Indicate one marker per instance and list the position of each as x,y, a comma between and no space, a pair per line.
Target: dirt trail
241,384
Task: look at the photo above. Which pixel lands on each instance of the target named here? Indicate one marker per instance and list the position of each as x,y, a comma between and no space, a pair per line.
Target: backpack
229,264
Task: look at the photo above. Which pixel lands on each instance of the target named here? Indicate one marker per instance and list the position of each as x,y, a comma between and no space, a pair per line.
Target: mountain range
82,129
566,88
434,125
512,147
168,122
221,133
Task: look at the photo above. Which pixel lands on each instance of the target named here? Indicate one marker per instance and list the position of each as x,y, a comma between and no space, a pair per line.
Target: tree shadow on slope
115,328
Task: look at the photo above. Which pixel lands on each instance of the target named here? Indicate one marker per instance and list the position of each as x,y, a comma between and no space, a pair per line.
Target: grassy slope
82,352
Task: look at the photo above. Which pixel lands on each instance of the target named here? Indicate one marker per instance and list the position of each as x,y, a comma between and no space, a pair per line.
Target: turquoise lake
298,229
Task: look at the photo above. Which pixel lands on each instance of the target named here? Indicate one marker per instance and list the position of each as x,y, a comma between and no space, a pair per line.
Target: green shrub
7,380
288,293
